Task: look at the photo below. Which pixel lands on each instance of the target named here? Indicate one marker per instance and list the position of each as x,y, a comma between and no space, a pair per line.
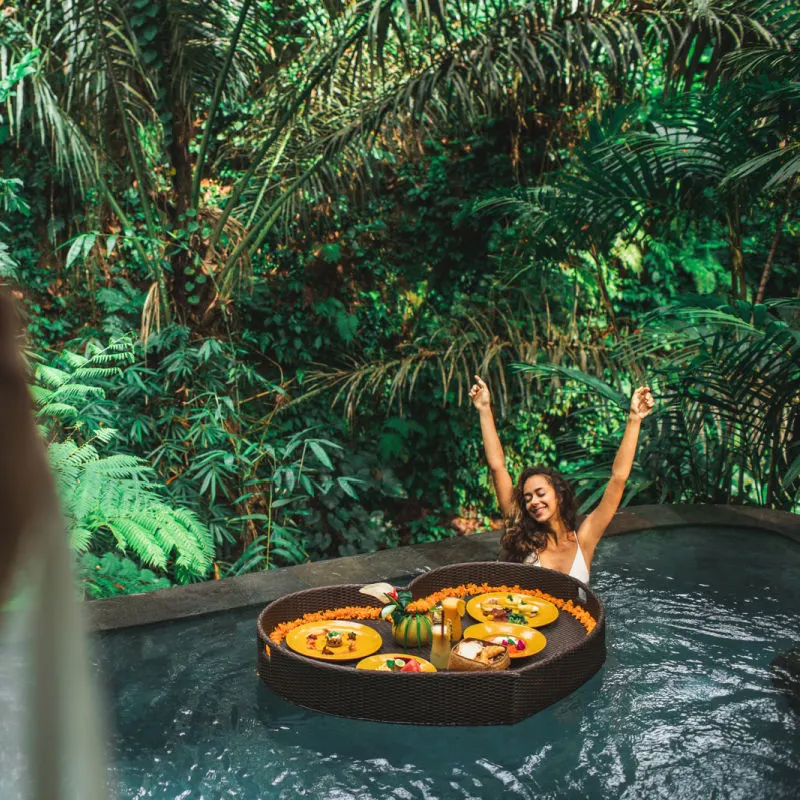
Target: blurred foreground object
63,756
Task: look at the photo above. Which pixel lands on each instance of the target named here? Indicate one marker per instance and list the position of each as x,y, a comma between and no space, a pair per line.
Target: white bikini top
578,569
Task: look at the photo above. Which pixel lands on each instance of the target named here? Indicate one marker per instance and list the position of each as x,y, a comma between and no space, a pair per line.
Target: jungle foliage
262,248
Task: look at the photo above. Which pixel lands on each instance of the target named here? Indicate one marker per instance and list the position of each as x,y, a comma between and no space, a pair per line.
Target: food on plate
333,639
515,608
522,603
509,641
475,654
400,665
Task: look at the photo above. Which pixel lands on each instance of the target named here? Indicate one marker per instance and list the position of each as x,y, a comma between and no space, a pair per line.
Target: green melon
413,630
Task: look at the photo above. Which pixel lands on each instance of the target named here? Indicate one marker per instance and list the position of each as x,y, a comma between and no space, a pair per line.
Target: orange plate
544,614
534,640
377,661
367,640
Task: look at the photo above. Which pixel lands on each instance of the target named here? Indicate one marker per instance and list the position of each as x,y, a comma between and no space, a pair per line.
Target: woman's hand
479,394
642,403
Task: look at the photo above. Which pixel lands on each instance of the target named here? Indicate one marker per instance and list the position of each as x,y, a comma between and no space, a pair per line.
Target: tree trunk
762,286
738,287
182,131
601,282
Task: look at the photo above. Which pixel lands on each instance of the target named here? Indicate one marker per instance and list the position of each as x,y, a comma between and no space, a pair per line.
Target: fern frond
51,377
131,534
80,538
59,411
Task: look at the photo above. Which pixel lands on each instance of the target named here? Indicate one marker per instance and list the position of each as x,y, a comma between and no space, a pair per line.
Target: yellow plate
545,614
377,661
534,640
366,640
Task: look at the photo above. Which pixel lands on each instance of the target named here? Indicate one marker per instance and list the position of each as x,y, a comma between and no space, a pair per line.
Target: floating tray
570,658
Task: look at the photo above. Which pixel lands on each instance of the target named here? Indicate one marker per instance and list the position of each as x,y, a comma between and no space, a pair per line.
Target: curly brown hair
524,535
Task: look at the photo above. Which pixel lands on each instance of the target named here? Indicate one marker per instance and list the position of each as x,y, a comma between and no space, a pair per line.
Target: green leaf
346,487
320,453
80,248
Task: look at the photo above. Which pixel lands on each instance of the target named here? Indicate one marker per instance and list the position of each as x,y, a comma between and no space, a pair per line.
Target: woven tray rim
589,639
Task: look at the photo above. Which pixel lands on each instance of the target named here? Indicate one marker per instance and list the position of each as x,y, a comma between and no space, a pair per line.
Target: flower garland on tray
425,604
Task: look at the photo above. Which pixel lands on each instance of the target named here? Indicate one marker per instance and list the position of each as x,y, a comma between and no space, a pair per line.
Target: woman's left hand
642,402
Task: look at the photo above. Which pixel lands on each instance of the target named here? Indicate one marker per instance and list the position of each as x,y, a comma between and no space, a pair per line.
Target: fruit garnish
411,666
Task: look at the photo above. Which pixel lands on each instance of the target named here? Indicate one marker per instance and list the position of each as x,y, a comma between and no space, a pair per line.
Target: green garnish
517,619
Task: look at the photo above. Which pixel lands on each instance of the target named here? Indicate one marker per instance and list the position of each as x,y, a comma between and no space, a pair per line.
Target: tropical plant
110,501
728,418
120,85
709,157
111,574
10,199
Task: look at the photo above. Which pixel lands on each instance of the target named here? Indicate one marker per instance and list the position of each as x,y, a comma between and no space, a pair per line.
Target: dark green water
684,707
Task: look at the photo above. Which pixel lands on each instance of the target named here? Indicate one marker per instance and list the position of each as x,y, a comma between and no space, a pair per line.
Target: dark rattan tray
570,658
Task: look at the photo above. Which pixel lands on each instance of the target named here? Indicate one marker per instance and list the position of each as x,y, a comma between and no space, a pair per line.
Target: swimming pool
684,707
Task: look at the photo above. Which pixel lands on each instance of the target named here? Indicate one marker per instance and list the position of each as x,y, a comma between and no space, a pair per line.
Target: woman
540,511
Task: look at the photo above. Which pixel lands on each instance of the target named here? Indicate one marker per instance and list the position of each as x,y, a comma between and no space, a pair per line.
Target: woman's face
540,499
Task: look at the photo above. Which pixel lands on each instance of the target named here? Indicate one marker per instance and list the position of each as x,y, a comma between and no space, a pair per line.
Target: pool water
684,707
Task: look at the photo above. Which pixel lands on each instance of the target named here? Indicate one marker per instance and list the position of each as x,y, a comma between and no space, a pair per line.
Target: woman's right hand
479,394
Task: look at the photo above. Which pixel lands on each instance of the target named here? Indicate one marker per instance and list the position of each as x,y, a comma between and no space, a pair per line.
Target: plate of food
334,640
396,662
520,640
474,655
513,607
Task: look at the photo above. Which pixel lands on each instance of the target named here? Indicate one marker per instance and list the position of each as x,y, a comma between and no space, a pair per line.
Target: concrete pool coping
182,602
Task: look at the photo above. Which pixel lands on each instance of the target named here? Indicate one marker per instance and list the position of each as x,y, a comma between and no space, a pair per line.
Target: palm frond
728,409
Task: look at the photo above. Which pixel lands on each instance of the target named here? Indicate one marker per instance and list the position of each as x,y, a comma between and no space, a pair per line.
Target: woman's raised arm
503,485
594,526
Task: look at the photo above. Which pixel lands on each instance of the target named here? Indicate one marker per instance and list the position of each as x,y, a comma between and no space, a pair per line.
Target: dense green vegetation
262,248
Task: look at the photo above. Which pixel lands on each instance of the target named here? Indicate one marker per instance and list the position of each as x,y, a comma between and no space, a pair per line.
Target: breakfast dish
474,655
336,640
396,662
512,607
521,641
513,643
